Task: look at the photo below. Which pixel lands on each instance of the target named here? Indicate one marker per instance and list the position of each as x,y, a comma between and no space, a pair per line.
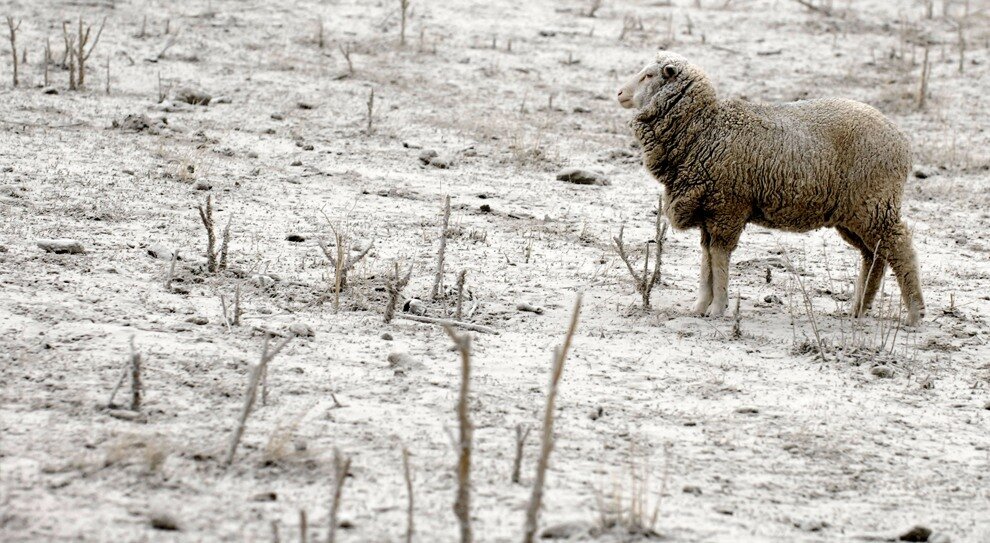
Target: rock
296,162
772,299
61,246
582,177
402,363
882,371
620,153
747,410
414,306
308,147
305,105
198,320
597,413
918,534
301,330
220,100
189,95
411,145
252,154
524,306
427,155
442,163
201,184
277,117
265,497
694,490
987,405
811,525
13,191
134,123
485,208
3,249
566,530
164,521
49,90
295,238
386,336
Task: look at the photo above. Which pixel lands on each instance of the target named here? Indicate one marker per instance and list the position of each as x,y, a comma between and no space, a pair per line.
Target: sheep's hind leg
896,246
871,271
705,278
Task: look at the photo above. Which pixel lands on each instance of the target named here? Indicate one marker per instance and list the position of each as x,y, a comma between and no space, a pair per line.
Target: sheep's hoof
716,309
701,308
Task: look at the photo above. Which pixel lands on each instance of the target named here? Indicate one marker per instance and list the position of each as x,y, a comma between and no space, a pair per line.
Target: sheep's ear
670,71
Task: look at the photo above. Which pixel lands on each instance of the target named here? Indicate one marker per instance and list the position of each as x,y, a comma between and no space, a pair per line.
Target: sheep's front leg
705,279
720,250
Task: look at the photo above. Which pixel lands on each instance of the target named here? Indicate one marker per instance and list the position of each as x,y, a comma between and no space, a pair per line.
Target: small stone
530,308
694,490
747,410
579,176
918,534
201,184
566,530
3,249
301,330
265,497
387,336
442,163
220,100
308,147
198,320
278,116
987,405
61,246
164,521
296,162
295,238
811,525
402,363
772,299
415,307
411,145
485,208
134,123
159,251
427,155
189,95
882,371
49,90
252,154
597,413
305,105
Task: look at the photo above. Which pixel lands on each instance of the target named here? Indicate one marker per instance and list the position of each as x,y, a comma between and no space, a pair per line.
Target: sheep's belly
794,219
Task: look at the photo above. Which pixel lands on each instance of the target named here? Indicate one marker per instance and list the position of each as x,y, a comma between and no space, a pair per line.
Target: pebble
387,336
61,246
277,116
918,534
579,176
198,320
427,155
747,410
265,497
811,525
402,363
296,163
442,163
164,521
201,184
694,490
301,329
305,105
295,238
881,371
530,308
49,90
772,299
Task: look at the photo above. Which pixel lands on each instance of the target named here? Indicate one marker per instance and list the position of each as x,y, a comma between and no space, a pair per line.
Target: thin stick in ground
522,432
82,55
371,109
546,437
13,44
410,504
342,263
462,504
394,286
404,6
646,281
136,392
444,226
214,265
341,465
251,394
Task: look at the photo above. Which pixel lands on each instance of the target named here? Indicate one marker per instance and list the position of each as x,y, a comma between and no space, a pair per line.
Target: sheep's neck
667,139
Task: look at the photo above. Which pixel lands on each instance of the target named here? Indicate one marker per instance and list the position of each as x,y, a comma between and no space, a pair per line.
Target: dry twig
462,505
341,465
546,438
645,282
13,43
521,435
251,394
394,285
444,225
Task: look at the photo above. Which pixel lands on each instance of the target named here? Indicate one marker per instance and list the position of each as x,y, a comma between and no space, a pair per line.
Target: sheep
797,166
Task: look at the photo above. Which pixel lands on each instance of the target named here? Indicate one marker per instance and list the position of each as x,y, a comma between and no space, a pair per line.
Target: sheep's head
669,76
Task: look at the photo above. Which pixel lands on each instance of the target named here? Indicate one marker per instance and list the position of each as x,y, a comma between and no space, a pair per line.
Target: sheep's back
812,163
